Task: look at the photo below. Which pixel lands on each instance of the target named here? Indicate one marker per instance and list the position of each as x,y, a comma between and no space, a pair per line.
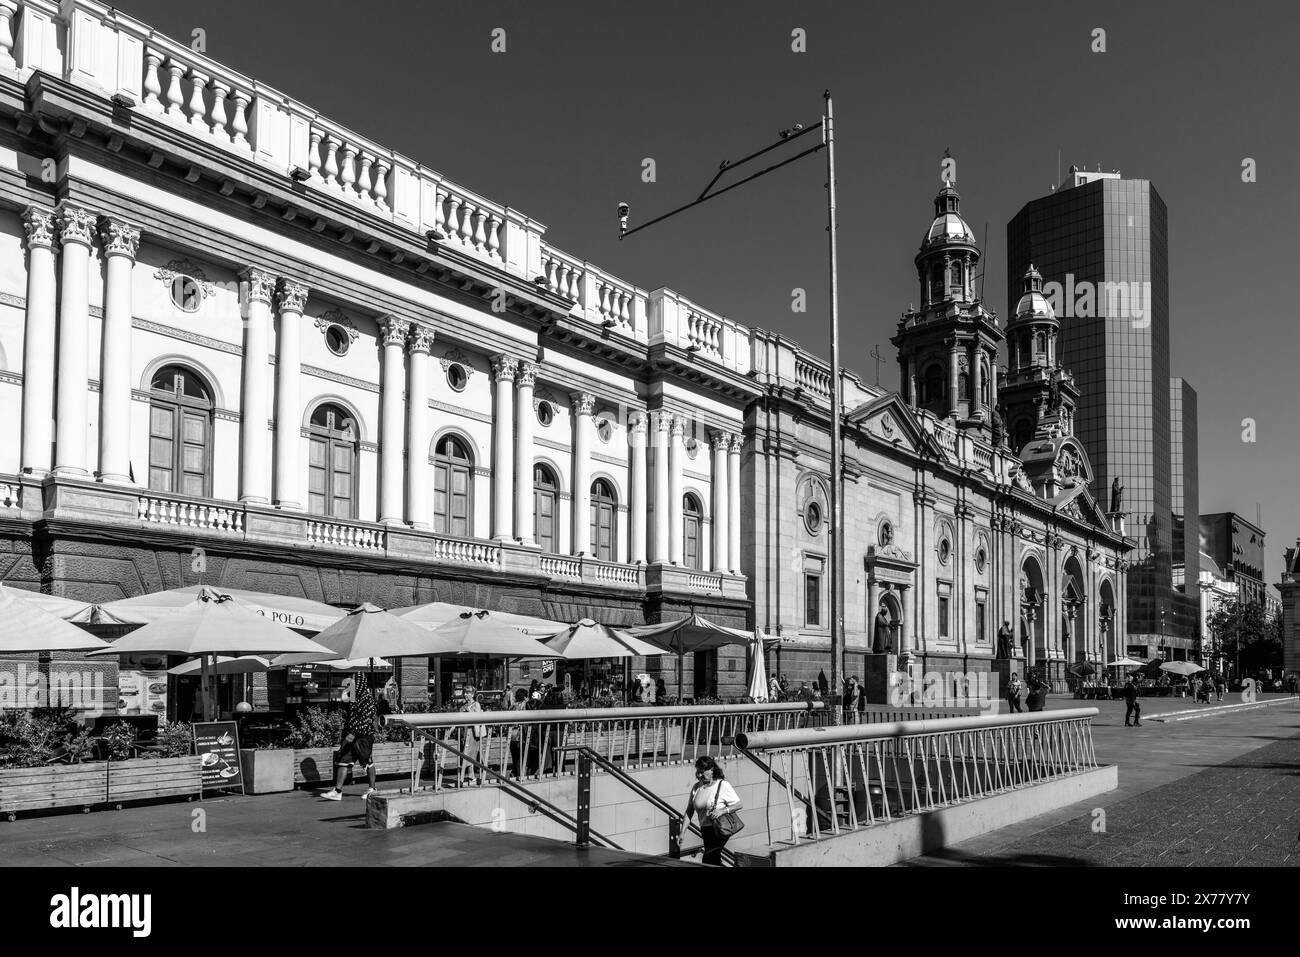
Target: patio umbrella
224,665
435,613
1125,663
483,633
692,633
1082,669
757,669
69,609
1184,668
25,627
212,624
368,632
287,610
588,639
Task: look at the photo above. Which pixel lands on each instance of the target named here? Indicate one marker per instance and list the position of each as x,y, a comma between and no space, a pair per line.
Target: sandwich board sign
217,745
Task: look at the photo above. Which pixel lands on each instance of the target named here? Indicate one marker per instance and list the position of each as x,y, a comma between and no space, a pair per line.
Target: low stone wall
616,811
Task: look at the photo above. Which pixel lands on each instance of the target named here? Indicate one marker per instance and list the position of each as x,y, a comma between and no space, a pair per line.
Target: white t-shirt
702,798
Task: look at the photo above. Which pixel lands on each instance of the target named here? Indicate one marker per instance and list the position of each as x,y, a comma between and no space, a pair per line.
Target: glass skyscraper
1184,491
1101,245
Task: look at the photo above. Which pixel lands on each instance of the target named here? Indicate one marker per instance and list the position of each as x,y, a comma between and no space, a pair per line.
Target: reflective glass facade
1104,244
1184,498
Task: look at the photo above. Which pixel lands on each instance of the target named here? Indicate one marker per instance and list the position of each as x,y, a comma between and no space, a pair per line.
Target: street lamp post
835,531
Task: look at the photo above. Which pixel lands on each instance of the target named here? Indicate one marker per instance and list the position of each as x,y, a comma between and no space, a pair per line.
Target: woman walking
712,798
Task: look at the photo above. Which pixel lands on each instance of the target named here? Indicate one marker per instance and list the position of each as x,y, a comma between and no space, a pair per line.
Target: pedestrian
712,798
851,697
358,741
471,741
1132,709
661,691
785,687
1220,686
1037,698
1013,694
773,688
516,731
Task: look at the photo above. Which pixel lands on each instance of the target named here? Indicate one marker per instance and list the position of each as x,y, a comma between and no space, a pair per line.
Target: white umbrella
25,627
692,633
436,613
482,633
286,610
587,639
368,631
69,609
213,624
757,667
1125,663
224,665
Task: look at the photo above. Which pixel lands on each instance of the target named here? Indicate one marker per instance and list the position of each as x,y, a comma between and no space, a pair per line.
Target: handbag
729,823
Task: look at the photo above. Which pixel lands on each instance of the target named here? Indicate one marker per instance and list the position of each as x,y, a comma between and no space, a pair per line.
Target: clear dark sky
557,126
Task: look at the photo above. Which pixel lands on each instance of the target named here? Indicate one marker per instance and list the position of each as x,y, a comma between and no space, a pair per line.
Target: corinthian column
121,242
76,232
675,450
417,426
733,502
503,433
524,423
639,515
663,427
288,407
718,479
583,405
255,405
38,342
393,331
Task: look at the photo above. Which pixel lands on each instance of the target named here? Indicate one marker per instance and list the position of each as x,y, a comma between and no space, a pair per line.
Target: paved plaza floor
1223,788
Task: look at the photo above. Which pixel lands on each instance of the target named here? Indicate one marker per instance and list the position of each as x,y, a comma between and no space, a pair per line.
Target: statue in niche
1116,495
882,637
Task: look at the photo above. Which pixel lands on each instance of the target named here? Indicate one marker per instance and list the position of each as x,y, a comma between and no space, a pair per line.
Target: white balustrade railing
704,334
194,92
560,567
340,535
983,456
704,583
464,551
947,440
812,377
612,573
350,166
190,513
467,221
11,496
562,274
610,300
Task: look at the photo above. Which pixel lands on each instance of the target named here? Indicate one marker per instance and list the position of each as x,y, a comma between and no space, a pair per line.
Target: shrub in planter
317,728
34,738
118,741
176,740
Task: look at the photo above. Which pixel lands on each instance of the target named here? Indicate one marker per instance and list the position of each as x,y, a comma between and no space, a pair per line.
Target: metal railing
847,777
539,745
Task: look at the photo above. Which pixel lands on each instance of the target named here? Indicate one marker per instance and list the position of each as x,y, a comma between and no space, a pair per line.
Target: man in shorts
358,741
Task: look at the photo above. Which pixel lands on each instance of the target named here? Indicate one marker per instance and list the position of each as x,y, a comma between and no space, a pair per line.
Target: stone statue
886,535
1116,495
882,642
1005,638
999,431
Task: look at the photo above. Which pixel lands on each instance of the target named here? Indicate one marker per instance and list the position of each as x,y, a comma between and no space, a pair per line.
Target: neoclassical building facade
241,344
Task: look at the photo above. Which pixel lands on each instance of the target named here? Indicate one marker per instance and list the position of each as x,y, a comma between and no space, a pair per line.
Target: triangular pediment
891,421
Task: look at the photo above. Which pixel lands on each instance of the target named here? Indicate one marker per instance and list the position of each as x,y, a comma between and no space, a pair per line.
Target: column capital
737,443
39,225
118,237
393,330
677,425
261,284
76,225
584,403
293,296
720,440
503,368
663,421
636,423
421,339
527,374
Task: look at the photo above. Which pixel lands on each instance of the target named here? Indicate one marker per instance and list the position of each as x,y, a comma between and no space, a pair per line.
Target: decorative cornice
293,296
39,226
118,237
455,410
338,377
555,446
527,374
226,415
183,267
76,225
9,299
503,368
15,377
421,339
261,284
584,403
186,336
368,446
393,330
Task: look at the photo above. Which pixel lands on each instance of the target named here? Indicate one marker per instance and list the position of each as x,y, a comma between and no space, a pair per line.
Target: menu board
142,685
217,745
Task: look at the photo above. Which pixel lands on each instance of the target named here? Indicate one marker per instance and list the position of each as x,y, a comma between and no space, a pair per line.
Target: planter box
315,766
142,779
59,785
267,771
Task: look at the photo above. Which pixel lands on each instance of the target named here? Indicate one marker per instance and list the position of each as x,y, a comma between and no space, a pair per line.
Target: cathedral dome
1033,305
949,227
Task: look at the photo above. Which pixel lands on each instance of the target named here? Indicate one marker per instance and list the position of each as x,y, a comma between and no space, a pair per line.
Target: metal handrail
527,797
463,718
848,734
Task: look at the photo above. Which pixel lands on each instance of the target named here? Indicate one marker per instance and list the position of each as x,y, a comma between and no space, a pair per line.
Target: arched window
692,540
453,488
936,284
332,463
546,511
604,521
956,274
986,387
1040,343
180,433
963,386
933,387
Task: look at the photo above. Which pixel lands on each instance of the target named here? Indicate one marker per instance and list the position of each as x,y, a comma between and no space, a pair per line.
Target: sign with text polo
217,745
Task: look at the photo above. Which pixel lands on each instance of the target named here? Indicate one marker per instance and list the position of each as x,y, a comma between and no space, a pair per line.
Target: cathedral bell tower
947,349
1038,396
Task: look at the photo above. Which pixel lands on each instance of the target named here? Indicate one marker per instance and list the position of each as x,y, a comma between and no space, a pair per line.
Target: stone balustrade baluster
467,222
439,217
552,282
480,234
331,160
7,12
152,87
453,217
174,100
348,172
198,83
382,166
494,236
313,153
217,117
364,181
239,122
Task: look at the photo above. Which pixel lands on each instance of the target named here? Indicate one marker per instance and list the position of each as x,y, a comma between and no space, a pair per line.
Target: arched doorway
1106,621
1074,597
1033,624
893,609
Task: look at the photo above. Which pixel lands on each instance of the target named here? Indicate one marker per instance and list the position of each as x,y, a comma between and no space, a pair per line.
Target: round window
337,340
692,448
186,294
812,518
605,429
545,414
456,377
944,550
981,560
